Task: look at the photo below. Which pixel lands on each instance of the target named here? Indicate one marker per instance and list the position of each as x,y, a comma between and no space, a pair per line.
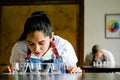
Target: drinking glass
45,68
20,67
34,67
58,68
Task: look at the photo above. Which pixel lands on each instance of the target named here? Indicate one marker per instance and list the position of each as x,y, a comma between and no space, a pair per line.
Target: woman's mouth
37,53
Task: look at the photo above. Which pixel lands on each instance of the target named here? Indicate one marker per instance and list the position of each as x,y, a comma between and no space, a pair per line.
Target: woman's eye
41,43
31,44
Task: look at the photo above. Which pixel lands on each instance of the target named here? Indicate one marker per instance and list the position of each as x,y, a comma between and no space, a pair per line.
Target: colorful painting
112,26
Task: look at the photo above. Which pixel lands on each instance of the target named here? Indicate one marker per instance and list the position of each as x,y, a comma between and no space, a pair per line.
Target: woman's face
38,43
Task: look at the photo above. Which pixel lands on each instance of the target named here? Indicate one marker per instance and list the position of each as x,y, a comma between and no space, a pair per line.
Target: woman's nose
36,48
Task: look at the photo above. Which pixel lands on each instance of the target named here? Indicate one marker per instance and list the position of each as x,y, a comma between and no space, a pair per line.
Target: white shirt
65,50
108,54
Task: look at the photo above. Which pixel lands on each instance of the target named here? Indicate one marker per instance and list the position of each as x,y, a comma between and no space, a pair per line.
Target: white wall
95,11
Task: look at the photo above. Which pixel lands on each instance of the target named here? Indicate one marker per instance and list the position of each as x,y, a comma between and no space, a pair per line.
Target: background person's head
96,50
37,33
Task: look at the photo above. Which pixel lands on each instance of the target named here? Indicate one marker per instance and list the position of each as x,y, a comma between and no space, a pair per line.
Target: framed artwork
112,26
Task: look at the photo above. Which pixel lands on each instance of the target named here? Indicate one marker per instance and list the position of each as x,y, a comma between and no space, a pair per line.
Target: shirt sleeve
110,57
88,59
18,52
68,54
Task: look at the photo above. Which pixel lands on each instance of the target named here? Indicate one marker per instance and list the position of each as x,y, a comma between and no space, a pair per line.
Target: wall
95,11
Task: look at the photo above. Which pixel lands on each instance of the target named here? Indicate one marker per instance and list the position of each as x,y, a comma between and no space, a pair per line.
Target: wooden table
83,76
101,68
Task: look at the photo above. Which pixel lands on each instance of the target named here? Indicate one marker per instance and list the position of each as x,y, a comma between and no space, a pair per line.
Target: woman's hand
10,69
7,69
74,69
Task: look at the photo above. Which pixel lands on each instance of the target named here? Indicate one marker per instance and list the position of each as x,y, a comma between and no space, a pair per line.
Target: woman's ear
52,35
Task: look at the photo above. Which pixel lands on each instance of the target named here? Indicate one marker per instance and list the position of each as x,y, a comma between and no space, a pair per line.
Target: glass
58,68
47,68
42,68
19,67
34,67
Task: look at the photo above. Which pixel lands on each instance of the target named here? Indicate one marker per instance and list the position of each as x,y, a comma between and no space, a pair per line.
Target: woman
38,43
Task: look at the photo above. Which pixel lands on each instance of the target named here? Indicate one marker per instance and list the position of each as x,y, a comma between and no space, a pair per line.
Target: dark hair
38,21
95,49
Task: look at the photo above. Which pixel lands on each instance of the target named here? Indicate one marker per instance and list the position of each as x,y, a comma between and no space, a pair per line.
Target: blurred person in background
99,55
